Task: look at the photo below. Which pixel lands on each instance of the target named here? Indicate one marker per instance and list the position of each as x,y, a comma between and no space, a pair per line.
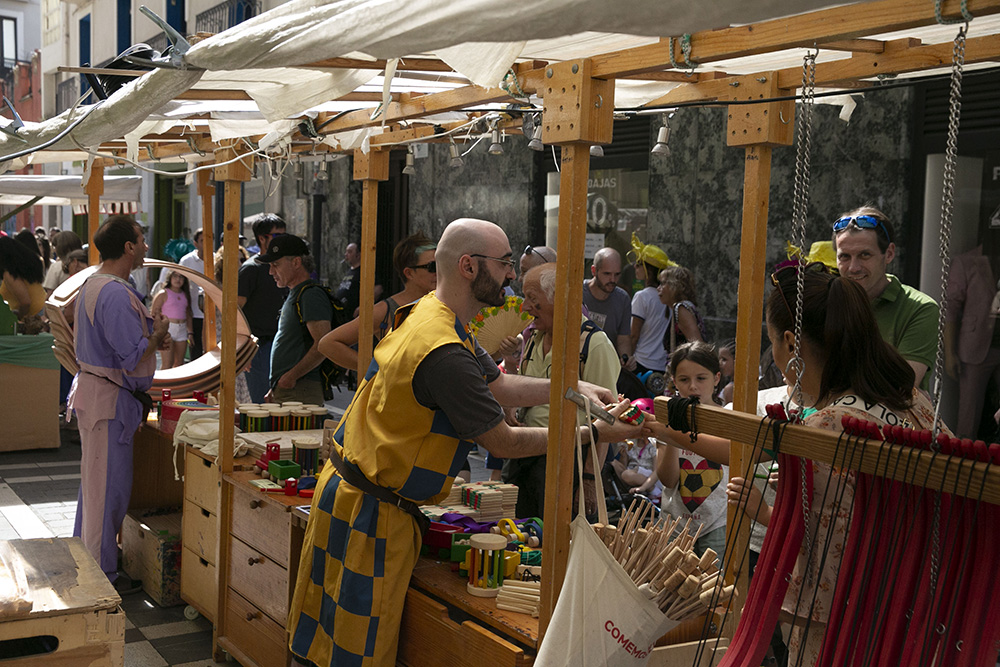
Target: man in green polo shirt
907,318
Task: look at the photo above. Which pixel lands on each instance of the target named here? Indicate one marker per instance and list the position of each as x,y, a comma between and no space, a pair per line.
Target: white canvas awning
121,193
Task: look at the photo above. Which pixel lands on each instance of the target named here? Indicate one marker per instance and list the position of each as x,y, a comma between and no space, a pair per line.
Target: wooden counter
437,580
153,483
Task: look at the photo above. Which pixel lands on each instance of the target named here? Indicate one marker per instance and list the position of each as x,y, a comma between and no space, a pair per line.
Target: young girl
694,474
174,302
727,365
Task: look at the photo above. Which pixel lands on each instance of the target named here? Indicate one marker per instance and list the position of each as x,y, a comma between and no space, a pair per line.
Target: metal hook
781,116
194,147
149,151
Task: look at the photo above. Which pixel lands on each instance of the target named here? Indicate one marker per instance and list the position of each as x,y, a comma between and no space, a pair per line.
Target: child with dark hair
694,474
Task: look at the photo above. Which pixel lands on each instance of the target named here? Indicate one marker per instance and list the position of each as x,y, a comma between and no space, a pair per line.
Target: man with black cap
304,320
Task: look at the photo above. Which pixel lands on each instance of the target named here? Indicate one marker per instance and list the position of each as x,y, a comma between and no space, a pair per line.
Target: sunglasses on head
792,269
530,250
861,222
430,267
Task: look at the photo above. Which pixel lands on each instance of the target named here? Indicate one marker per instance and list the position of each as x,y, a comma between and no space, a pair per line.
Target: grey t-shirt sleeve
451,379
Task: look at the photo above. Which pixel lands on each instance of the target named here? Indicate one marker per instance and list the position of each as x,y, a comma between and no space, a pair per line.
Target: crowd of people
431,392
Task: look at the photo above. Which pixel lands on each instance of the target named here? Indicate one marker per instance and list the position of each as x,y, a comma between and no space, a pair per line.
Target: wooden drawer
201,481
265,527
201,532
198,585
260,580
257,636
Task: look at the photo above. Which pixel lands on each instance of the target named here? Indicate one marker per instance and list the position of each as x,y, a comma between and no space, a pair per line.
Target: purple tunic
112,327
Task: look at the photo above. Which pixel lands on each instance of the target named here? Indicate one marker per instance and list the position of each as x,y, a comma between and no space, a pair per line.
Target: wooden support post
233,175
206,191
94,190
369,168
757,128
578,113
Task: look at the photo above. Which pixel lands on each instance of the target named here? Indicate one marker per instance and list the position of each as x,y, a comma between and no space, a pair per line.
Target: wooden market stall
880,38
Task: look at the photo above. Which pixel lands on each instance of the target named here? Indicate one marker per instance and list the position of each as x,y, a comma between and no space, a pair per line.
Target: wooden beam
575,168
405,64
369,168
844,73
588,104
896,462
828,25
750,313
94,190
232,218
449,100
227,94
895,61
853,45
205,192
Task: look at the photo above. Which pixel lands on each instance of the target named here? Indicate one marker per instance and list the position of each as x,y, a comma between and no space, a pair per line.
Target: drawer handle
252,560
254,504
251,615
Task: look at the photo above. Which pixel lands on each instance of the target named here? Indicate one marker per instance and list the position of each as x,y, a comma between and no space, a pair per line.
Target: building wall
696,194
501,188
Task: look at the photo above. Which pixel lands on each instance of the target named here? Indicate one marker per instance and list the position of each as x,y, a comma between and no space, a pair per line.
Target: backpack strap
587,330
298,307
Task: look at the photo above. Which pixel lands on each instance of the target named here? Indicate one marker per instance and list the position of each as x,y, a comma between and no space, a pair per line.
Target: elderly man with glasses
907,318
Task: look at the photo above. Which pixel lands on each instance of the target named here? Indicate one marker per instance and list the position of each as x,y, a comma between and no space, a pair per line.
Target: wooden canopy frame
578,113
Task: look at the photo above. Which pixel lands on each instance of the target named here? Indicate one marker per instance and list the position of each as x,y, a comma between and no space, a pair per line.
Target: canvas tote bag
601,618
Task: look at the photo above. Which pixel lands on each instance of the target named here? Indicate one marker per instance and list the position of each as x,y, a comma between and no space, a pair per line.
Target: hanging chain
800,207
947,211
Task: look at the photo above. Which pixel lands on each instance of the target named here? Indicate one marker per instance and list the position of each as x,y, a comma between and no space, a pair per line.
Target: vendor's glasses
502,260
861,222
430,267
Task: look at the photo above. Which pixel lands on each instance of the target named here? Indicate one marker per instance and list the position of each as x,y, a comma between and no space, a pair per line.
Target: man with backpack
305,318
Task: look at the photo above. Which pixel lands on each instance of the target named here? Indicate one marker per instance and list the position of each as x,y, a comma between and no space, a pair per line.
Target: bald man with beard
429,394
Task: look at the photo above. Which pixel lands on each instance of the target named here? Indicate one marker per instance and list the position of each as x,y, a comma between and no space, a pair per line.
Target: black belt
355,478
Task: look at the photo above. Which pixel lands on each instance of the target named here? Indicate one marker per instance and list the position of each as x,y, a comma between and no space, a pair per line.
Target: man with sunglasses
429,392
907,318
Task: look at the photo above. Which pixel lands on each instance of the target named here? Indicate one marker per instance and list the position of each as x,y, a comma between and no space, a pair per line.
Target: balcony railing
66,94
226,14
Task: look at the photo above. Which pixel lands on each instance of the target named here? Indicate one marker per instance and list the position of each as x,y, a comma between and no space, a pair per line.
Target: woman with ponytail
848,370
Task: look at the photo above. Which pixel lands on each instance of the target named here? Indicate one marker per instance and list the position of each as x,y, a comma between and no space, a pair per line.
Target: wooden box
151,553
74,607
29,407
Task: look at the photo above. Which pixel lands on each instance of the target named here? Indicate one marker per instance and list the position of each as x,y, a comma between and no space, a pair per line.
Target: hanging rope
966,14
685,51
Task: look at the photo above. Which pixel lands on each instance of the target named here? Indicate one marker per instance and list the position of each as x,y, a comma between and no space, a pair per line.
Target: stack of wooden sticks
660,559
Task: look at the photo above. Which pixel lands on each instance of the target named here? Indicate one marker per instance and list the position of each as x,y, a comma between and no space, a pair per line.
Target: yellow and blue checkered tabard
358,553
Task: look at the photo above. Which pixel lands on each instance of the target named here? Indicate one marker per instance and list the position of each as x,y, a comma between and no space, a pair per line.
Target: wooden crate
73,604
151,553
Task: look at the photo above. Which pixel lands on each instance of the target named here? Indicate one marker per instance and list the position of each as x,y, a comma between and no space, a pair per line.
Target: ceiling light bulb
322,175
409,170
662,137
496,148
536,140
456,156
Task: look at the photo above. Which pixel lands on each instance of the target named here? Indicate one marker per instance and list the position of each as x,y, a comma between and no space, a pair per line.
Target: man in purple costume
116,343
